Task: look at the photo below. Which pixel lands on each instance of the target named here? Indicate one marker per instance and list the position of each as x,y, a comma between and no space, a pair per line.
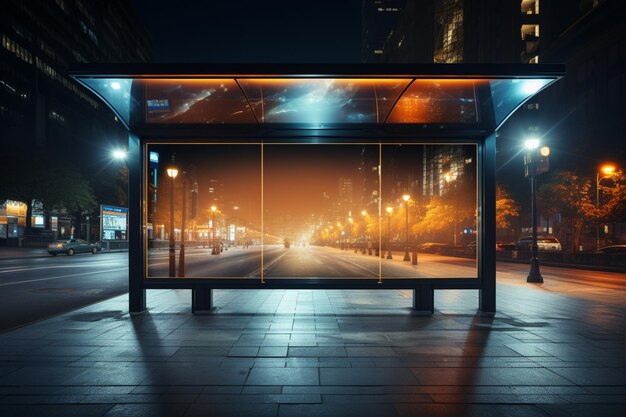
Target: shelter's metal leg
201,300
424,300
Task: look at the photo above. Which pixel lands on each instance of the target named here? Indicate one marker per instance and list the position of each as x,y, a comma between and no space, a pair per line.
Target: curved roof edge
183,70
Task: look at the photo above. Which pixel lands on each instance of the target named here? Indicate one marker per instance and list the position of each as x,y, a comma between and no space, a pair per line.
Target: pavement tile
338,410
52,410
146,410
232,410
283,376
367,376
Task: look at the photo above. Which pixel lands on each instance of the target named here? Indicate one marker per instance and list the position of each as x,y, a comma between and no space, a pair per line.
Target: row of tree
59,187
572,199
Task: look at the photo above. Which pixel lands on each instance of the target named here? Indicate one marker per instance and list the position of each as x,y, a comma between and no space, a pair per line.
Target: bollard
414,258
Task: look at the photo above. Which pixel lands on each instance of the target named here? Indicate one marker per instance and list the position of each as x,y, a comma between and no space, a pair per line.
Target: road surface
33,288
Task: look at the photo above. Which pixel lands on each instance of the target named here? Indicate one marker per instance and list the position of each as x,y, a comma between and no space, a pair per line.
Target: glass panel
211,101
429,201
222,230
320,211
115,92
322,100
436,101
507,95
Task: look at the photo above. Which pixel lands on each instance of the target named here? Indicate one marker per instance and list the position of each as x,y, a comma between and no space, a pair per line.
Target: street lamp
119,154
389,212
449,179
213,251
535,162
608,171
365,237
349,245
339,233
172,172
406,198
181,254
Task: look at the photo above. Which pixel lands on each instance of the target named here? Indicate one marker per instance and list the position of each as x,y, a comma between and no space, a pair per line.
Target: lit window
534,60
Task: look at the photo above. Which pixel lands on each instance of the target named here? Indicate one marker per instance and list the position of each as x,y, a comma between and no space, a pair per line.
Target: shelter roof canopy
358,94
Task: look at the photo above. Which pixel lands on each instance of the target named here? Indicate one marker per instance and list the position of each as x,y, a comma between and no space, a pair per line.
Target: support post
201,300
424,300
487,232
136,290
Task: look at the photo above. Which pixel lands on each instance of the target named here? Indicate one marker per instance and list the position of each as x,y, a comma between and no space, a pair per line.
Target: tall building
345,198
443,164
379,18
44,115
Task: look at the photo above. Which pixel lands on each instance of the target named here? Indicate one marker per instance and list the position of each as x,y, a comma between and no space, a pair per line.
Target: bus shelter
313,176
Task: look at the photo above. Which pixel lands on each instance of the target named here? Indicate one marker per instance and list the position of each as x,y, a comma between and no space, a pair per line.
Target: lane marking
6,271
256,273
64,276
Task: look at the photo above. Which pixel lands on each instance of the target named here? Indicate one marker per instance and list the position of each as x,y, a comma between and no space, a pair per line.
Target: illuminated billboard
322,211
113,223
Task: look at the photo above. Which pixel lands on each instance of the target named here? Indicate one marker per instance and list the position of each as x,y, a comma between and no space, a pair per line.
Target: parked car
613,250
434,247
72,246
506,246
544,243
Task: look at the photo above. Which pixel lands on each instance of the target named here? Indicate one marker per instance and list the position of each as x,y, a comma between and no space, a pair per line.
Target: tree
56,186
506,208
572,196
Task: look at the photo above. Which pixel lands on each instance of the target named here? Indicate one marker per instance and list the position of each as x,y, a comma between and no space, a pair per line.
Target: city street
54,285
33,288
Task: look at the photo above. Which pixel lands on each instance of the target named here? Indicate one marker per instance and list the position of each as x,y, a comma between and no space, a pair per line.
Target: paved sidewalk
323,353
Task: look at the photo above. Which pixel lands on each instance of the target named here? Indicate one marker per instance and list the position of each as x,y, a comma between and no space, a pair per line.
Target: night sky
253,31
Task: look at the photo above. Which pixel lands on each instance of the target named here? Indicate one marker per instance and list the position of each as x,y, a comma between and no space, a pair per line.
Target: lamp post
213,251
365,237
181,255
608,171
172,172
339,234
350,220
406,198
389,211
448,177
535,163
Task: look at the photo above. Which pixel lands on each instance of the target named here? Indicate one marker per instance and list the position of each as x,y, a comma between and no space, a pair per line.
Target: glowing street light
531,144
172,172
389,212
608,170
119,154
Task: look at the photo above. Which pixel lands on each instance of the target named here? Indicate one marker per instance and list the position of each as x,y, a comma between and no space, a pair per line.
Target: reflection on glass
437,101
216,211
430,199
321,211
322,100
115,91
508,94
212,101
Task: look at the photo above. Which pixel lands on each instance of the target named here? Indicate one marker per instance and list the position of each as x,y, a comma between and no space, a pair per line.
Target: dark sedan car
614,250
72,246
